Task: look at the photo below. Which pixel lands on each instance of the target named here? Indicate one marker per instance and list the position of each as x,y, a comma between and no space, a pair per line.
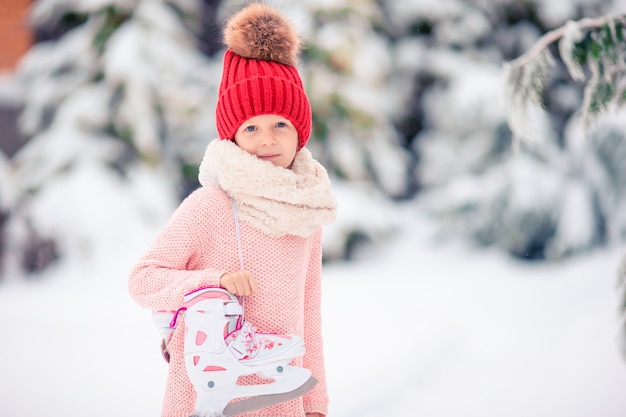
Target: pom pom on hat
260,74
260,32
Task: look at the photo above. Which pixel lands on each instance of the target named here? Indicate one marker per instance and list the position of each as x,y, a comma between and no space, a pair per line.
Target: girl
282,197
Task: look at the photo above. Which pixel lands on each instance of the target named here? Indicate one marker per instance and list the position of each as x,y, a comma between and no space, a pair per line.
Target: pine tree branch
596,42
554,35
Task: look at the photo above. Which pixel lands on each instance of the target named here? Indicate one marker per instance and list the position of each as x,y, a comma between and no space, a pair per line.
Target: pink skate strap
173,322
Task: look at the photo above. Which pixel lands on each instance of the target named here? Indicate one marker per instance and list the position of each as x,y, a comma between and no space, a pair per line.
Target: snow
412,326
403,12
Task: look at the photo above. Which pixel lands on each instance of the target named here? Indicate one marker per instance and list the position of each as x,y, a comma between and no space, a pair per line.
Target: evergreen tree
122,96
597,44
594,52
558,192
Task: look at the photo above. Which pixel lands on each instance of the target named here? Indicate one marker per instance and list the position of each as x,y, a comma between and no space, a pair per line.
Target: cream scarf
276,200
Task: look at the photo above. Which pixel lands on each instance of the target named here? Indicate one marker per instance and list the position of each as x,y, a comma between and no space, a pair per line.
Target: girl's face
270,137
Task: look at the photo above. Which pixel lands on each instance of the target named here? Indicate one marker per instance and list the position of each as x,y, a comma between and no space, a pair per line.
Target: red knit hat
260,74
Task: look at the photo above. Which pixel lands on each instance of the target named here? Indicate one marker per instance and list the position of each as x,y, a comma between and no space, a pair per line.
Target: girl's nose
268,139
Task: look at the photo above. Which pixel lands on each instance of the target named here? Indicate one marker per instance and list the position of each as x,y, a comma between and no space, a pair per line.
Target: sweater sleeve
166,273
317,399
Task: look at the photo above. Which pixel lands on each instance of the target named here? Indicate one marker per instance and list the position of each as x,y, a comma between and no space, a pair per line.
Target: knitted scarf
273,199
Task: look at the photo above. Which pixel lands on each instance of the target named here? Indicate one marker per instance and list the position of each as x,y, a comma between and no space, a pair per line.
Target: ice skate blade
262,401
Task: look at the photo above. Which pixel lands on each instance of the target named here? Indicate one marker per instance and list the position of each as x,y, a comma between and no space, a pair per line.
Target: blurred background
106,107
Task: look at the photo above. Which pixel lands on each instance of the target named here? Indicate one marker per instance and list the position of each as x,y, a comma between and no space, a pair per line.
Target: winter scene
476,150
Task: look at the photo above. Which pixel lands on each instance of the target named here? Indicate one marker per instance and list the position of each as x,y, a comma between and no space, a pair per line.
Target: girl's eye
251,128
281,124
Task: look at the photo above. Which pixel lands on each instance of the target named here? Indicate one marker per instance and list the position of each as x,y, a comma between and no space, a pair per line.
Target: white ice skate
220,347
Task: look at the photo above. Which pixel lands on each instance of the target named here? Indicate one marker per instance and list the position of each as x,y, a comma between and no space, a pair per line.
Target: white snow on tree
349,72
591,160
118,101
554,190
599,44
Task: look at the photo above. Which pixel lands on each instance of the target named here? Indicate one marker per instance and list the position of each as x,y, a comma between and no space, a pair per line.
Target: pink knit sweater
199,245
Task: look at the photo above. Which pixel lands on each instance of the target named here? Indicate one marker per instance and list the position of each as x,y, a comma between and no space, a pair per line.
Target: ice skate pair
220,346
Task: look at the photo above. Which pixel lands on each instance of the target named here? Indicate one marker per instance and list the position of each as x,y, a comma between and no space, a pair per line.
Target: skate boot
220,346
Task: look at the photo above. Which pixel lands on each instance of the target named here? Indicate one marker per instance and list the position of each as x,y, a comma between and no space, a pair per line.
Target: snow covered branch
599,44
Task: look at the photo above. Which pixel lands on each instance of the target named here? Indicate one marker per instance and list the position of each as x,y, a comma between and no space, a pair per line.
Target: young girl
282,198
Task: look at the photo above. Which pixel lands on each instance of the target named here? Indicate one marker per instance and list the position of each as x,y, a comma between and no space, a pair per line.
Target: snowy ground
411,329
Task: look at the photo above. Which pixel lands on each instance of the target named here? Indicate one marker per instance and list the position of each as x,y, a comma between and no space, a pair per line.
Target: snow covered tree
560,190
122,100
593,52
598,44
350,79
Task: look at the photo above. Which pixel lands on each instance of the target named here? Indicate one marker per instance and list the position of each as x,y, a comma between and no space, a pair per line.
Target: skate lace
242,300
247,343
244,343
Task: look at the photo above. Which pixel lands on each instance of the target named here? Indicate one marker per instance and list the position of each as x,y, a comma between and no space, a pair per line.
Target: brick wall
15,34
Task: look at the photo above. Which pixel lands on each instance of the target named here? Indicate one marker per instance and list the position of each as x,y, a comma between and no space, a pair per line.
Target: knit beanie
260,75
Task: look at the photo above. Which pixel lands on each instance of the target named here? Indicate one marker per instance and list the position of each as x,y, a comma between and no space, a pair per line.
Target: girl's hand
239,283
314,415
